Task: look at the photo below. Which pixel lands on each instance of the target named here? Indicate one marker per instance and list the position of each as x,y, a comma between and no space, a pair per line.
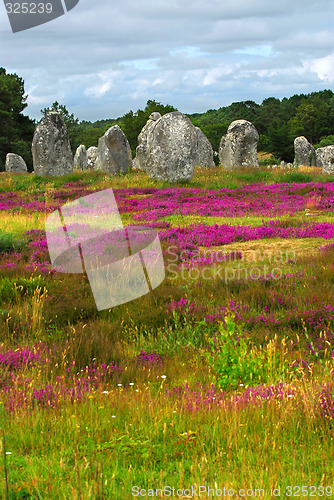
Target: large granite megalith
51,150
114,152
304,153
204,155
141,151
171,148
238,148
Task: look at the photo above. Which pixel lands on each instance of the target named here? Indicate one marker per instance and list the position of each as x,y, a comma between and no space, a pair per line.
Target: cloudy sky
106,57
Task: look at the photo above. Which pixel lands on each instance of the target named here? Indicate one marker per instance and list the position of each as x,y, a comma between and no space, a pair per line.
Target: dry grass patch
262,155
18,223
253,251
138,196
309,170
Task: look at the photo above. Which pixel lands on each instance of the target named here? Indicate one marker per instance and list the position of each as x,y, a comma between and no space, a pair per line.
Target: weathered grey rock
325,159
91,156
154,116
141,150
80,158
204,156
238,148
15,163
135,164
51,150
170,149
283,164
114,152
304,153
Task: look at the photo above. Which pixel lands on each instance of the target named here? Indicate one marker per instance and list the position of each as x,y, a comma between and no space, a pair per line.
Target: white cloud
105,57
215,74
99,89
323,67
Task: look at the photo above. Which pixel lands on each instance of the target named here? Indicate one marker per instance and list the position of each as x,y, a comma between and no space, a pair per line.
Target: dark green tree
213,131
310,120
88,136
68,118
16,129
270,110
328,140
280,140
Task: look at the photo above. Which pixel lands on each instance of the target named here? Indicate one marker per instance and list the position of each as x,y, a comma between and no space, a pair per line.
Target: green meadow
218,383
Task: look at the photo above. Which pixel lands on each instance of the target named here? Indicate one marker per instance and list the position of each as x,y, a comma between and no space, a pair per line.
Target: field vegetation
221,377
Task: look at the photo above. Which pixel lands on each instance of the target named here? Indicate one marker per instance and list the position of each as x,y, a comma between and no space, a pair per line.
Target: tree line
277,121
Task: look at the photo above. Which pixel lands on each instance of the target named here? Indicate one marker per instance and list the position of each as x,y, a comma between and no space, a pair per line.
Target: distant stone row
305,154
169,148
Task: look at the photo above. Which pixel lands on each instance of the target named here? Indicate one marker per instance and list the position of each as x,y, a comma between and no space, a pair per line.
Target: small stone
135,164
80,158
15,164
325,159
91,157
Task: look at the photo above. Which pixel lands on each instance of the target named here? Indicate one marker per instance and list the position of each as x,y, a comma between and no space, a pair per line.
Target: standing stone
283,164
154,116
80,158
15,164
171,149
51,150
91,156
238,148
325,159
304,153
204,157
135,164
114,152
141,150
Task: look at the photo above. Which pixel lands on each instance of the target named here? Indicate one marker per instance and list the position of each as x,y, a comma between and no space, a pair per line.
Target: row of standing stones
169,148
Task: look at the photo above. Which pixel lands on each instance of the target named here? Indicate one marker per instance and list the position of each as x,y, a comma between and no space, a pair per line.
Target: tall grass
202,382
138,436
218,178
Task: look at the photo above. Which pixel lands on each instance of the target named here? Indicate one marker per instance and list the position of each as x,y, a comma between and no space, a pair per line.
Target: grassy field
218,383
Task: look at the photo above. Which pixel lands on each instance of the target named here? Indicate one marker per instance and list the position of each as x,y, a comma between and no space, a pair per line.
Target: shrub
235,360
325,141
297,177
8,243
252,175
11,289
